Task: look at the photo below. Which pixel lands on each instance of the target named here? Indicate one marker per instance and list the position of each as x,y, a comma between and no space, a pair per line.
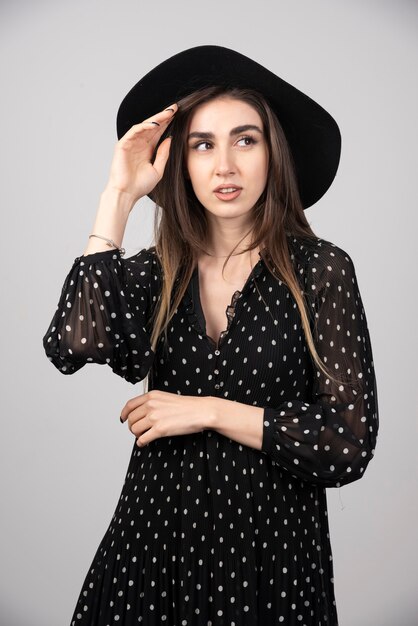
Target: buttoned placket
217,383
215,355
216,347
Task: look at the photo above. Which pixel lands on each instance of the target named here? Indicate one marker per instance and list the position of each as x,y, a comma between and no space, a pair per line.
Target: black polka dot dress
208,531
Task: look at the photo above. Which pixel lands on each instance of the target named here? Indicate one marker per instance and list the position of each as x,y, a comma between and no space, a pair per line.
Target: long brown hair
180,223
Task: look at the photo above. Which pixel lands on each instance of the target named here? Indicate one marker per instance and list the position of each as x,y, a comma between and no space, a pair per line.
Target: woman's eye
201,146
249,139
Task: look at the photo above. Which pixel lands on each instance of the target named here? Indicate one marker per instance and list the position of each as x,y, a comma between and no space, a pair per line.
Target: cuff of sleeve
103,255
268,429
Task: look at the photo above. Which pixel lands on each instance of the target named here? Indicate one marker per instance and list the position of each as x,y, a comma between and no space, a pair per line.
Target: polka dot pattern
208,531
102,315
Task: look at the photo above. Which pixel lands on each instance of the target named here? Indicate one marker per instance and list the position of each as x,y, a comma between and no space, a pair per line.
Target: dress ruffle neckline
193,307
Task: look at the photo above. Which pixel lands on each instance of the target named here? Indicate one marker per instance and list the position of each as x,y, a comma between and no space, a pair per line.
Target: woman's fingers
139,421
135,408
164,115
132,167
140,427
153,125
162,156
147,129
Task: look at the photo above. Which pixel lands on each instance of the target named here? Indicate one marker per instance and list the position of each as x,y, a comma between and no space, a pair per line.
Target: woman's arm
330,439
111,219
103,313
132,176
236,420
106,301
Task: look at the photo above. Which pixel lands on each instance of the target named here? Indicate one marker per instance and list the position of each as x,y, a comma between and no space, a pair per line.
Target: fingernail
121,419
156,123
169,109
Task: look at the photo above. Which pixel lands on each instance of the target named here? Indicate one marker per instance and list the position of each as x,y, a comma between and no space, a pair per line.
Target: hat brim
312,133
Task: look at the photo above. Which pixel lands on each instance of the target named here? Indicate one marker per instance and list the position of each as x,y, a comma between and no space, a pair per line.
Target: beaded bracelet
110,242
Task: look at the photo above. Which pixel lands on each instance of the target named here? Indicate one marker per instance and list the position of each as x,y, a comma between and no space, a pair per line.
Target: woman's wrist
114,199
111,219
237,421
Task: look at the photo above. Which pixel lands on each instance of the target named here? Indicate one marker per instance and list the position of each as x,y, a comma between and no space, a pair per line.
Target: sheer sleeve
331,439
103,315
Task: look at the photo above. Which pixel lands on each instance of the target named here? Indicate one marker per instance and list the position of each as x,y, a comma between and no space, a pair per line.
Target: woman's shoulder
145,260
144,255
143,270
317,252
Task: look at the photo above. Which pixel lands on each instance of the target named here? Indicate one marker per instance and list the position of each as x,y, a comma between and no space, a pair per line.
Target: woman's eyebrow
234,131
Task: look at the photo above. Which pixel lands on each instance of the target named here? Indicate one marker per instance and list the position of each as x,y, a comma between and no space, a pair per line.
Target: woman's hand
132,171
163,414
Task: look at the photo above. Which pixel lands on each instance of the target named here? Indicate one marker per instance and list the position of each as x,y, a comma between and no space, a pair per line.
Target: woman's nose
224,163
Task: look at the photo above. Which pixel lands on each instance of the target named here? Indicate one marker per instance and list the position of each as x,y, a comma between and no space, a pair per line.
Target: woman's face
226,147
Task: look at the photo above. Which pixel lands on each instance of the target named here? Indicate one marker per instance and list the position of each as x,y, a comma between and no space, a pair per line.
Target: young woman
251,334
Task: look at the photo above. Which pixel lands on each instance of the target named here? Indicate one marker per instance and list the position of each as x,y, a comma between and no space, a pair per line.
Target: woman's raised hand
132,171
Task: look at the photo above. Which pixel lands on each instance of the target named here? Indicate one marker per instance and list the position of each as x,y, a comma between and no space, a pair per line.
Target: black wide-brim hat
312,133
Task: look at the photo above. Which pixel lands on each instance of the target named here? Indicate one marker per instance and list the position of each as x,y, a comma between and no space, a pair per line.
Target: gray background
65,68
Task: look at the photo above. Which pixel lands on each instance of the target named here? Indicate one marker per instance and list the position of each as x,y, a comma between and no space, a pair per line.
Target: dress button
216,371
217,352
217,386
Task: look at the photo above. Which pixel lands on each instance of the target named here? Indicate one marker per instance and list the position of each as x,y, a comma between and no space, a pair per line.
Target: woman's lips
228,196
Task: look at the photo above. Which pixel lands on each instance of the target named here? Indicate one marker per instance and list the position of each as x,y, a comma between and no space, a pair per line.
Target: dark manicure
156,123
121,419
